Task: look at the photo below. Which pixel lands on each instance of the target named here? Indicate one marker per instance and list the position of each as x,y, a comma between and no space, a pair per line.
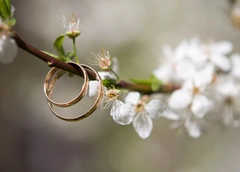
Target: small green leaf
152,81
155,83
5,9
8,4
141,81
109,82
70,55
53,55
58,45
11,22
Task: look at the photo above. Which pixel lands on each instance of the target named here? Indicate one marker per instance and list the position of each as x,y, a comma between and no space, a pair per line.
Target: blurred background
32,139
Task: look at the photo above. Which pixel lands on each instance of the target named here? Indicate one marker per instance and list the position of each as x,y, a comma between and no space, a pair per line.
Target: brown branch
52,62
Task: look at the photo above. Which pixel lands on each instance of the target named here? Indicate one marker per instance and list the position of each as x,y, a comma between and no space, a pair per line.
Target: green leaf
52,55
155,83
5,9
109,82
152,81
70,55
11,22
58,45
8,4
141,81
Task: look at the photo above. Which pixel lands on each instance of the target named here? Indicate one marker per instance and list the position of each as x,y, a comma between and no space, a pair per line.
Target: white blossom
175,65
215,53
143,111
103,60
72,25
8,47
120,112
229,91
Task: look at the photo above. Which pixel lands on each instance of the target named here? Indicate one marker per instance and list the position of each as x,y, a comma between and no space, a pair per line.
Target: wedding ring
51,78
94,106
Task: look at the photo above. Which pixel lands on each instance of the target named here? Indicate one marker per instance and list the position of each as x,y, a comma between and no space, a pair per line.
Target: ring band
94,106
50,82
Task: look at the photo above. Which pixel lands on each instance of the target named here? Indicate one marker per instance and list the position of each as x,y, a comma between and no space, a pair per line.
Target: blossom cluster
209,79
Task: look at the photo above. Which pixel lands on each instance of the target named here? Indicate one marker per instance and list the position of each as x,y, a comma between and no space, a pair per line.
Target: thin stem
114,73
75,50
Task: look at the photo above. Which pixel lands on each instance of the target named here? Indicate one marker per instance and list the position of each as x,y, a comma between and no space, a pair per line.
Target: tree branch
52,62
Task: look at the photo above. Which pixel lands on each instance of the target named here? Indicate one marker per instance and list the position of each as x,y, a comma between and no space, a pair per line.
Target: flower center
113,94
196,90
139,107
104,63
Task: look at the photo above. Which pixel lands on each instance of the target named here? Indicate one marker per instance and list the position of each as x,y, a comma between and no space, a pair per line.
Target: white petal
192,128
169,114
200,105
8,49
181,50
222,62
93,88
179,99
106,75
235,58
205,76
223,47
228,88
132,98
185,70
164,73
153,108
143,125
121,113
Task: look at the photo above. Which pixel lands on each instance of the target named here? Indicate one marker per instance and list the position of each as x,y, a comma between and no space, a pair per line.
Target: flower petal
169,114
143,125
179,99
235,58
221,61
164,73
185,70
200,105
121,113
132,98
8,49
192,128
153,108
93,88
223,47
106,75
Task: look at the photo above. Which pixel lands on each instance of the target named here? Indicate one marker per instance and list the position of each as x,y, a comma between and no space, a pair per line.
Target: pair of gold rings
50,80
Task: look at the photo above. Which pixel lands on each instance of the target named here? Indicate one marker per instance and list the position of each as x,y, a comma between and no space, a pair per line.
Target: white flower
72,25
235,72
229,91
176,66
143,112
103,60
186,121
109,74
216,54
190,95
120,112
8,47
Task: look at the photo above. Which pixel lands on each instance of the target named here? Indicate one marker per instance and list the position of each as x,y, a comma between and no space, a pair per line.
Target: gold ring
94,106
50,82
